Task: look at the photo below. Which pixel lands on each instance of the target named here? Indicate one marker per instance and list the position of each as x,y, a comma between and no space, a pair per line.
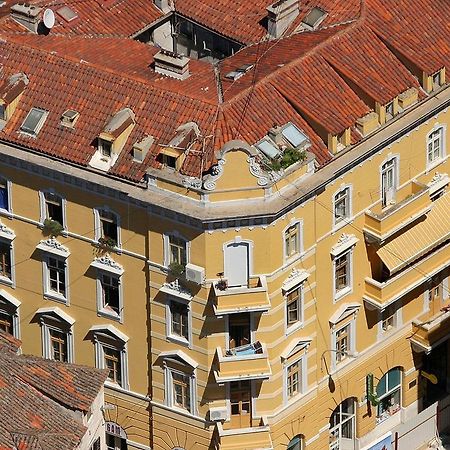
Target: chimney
171,64
27,15
280,16
163,5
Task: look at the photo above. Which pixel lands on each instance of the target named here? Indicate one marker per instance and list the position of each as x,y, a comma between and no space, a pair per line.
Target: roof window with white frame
34,121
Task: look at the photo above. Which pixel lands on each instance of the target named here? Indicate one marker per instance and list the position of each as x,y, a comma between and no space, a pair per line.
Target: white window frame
169,389
336,445
3,279
344,220
43,206
51,320
169,334
166,241
340,293
390,392
302,362
442,147
397,320
396,161
48,292
351,342
299,227
10,306
102,340
98,230
299,323
39,125
101,309
8,186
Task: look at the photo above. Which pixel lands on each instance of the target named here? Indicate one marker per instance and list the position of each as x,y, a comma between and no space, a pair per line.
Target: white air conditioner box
195,273
216,414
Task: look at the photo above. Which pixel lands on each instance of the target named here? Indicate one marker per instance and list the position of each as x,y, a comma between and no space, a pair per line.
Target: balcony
431,332
412,202
247,362
254,438
378,294
233,300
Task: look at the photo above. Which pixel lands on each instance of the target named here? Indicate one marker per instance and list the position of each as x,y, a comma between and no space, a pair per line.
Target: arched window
389,394
296,443
342,424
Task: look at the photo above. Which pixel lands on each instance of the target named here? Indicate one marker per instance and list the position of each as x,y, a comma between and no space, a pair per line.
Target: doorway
241,404
238,330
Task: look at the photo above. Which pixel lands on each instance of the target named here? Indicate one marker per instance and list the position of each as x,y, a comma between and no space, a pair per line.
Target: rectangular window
105,148
341,205
4,195
292,241
56,270
5,260
34,121
389,110
58,345
342,272
177,250
294,379
181,390
108,226
110,293
53,207
179,319
112,362
96,445
388,319
293,307
388,182
6,322
435,144
2,111
342,343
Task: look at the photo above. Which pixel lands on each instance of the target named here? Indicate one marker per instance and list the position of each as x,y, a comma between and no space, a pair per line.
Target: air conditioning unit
216,414
195,273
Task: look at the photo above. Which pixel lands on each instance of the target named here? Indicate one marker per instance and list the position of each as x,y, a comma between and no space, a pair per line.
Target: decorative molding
106,263
6,232
296,277
51,245
192,182
344,243
216,172
177,290
439,181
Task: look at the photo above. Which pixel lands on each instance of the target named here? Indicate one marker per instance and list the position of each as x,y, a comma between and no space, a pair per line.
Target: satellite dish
49,18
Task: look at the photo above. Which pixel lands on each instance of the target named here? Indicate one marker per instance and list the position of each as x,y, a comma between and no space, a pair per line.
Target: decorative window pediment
6,233
51,245
107,264
295,278
178,356
109,331
295,346
56,312
345,242
343,312
177,290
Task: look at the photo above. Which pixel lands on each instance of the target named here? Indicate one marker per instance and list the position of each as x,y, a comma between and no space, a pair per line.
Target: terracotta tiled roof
32,391
101,18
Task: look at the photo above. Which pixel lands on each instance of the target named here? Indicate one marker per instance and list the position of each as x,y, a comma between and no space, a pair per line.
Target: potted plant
176,269
107,242
52,227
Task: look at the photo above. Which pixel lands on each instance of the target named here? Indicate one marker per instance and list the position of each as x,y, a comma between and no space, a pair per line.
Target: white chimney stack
280,16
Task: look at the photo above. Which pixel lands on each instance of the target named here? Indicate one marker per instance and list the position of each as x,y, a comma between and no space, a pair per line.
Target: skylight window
34,121
293,135
314,17
268,148
67,13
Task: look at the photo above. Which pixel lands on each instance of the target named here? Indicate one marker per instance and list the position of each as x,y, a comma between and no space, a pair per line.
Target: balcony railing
252,297
412,201
245,438
428,333
247,362
380,294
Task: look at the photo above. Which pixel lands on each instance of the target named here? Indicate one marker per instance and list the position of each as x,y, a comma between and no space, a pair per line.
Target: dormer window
436,79
314,18
34,121
105,147
10,93
171,157
390,110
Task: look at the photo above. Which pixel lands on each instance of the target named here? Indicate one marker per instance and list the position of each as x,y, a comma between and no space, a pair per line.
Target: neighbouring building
47,404
240,210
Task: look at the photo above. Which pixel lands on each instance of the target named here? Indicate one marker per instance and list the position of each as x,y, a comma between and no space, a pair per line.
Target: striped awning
420,239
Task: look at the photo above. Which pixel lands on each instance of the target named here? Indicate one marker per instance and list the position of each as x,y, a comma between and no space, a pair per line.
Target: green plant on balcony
107,242
52,227
176,269
289,156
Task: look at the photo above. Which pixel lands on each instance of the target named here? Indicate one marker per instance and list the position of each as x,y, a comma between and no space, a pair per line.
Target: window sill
110,315
7,213
432,165
293,328
342,293
114,385
56,297
178,340
6,280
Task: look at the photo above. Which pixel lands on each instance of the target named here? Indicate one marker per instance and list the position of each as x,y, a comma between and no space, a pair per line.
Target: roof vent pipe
27,15
280,16
171,64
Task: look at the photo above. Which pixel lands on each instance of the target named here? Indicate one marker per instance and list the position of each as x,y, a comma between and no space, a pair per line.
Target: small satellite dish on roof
49,18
